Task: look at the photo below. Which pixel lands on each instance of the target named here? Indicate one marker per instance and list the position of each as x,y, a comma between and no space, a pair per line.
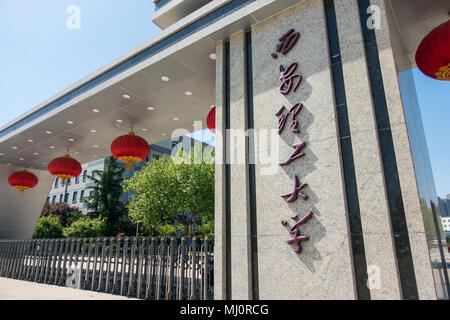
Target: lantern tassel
129,165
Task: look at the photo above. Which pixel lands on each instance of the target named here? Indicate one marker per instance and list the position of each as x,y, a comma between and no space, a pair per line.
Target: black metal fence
146,268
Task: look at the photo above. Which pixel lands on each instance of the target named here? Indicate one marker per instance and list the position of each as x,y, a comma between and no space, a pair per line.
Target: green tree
48,228
107,189
86,228
171,189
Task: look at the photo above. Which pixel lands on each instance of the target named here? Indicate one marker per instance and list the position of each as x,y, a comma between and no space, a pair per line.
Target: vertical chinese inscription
290,81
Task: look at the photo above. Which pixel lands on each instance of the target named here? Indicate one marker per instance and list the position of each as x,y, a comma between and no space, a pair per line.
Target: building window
48,199
54,199
61,197
74,198
77,180
66,197
91,193
56,183
84,175
81,195
69,182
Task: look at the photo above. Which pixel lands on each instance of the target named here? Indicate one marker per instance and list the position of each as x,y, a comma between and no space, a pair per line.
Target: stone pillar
374,210
238,157
220,256
20,213
324,268
406,173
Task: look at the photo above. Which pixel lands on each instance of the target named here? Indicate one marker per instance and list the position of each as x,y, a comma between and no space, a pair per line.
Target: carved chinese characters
287,42
290,81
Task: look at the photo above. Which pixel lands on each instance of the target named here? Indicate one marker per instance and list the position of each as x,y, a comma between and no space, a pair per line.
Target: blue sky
40,56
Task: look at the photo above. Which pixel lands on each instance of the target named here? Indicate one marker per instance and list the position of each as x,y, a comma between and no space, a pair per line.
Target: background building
446,225
444,206
74,191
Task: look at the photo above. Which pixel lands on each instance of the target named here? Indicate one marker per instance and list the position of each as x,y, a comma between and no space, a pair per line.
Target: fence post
108,266
83,254
182,284
116,264
131,267
170,287
33,259
88,264
140,266
94,267
124,265
59,261
48,260
102,263
18,260
162,258
150,269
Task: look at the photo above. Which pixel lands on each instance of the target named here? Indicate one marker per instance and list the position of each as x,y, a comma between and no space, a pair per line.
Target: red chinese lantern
130,148
64,168
433,53
23,180
211,120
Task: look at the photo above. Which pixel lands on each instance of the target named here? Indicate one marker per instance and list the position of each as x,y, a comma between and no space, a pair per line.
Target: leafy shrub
64,212
206,229
48,228
166,230
86,228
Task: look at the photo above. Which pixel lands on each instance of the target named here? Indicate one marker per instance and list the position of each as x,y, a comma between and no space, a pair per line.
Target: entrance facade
323,184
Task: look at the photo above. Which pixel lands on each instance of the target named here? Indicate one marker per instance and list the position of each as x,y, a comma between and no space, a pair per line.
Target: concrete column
374,210
410,196
19,213
324,268
240,238
220,201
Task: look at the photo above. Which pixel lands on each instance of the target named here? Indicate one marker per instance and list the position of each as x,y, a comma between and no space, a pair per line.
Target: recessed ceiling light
119,121
15,148
94,131
48,132
1,154
36,153
212,56
95,110
76,152
164,134
44,162
150,108
126,96
52,147
165,78
21,159
176,118
30,140
71,140
188,93
95,145
144,129
8,164
70,122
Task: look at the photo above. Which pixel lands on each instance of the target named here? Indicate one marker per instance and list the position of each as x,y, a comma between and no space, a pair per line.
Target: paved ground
25,290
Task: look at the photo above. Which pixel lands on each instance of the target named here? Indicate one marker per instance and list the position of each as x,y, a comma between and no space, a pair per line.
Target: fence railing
146,268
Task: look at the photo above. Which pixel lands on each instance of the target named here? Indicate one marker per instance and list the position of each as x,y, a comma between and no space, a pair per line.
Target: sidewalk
24,290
